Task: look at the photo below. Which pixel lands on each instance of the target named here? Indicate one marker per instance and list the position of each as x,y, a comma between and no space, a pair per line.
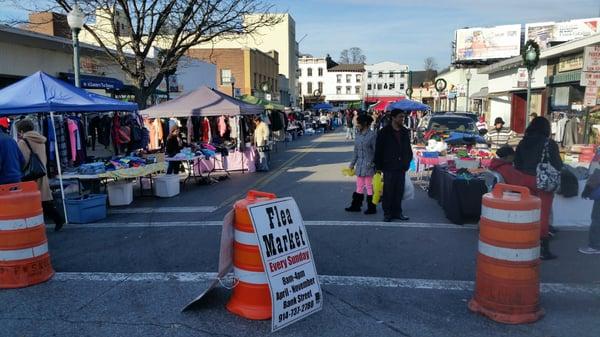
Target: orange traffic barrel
251,297
24,257
507,285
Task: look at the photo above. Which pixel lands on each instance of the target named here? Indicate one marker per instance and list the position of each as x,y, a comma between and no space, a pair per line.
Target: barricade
507,287
251,297
24,257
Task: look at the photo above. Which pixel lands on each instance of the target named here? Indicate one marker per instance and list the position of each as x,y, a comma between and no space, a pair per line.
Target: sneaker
589,250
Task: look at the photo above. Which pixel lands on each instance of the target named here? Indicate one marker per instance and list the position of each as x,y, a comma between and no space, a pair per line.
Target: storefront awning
93,82
481,94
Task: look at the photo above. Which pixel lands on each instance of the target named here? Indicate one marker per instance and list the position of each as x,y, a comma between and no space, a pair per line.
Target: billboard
545,32
488,43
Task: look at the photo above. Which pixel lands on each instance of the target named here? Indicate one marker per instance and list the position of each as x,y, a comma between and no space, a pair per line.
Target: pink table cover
235,161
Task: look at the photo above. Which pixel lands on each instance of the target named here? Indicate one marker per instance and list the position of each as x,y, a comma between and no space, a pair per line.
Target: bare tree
357,56
344,57
170,26
430,66
353,55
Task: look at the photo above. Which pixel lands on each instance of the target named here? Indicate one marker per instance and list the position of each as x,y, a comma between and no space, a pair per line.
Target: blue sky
407,31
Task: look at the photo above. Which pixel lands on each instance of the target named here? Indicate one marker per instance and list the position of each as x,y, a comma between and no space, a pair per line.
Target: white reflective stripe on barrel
245,238
253,277
512,216
15,224
22,254
509,254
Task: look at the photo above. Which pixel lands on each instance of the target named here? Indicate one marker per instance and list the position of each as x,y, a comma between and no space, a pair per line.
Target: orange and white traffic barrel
507,286
24,257
251,297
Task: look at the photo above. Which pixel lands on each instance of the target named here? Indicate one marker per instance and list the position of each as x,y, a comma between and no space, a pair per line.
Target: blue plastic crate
86,209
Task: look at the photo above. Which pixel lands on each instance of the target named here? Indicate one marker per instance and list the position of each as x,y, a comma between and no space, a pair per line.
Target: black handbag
34,169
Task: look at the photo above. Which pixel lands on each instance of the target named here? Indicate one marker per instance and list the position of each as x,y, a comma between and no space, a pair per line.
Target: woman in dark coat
527,157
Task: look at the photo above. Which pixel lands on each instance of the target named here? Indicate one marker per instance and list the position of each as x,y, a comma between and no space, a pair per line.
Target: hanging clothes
222,126
155,129
206,131
571,132
233,127
560,129
74,140
190,130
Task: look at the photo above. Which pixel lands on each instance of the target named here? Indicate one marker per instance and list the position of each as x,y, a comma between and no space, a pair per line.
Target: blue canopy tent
322,106
407,105
42,93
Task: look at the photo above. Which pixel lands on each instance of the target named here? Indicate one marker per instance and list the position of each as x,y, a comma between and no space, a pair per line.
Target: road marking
327,280
183,209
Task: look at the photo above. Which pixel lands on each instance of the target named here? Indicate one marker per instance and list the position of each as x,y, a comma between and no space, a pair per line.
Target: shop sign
569,63
522,78
288,261
89,65
591,59
587,77
591,96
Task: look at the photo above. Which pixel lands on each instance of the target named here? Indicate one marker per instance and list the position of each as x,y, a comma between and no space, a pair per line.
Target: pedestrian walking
11,159
172,148
537,147
499,135
261,140
591,191
393,154
32,142
349,124
363,165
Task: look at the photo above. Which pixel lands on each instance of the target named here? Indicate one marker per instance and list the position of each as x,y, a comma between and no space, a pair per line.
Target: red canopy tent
382,101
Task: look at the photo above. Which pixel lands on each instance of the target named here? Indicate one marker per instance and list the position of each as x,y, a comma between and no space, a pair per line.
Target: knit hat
499,120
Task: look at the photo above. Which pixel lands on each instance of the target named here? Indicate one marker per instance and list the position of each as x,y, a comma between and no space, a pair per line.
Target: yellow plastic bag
377,187
349,172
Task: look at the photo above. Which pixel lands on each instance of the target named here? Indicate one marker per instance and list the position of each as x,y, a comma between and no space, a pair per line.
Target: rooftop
349,67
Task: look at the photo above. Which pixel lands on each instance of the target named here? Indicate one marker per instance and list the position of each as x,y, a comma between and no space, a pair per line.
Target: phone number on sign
297,310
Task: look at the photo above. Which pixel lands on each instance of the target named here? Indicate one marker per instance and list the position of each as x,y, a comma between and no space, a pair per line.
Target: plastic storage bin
120,193
166,186
86,209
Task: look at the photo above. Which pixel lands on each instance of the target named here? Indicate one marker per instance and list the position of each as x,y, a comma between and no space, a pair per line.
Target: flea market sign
287,260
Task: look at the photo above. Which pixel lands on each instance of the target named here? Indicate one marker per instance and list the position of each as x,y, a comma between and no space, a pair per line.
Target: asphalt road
131,274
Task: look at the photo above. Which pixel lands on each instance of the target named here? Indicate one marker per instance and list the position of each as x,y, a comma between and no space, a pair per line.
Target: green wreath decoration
531,44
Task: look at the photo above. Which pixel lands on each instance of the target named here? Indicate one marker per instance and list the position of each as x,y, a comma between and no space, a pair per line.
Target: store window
338,90
320,72
339,78
348,90
309,72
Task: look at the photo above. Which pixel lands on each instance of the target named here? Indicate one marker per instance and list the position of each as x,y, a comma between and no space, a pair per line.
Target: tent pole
57,155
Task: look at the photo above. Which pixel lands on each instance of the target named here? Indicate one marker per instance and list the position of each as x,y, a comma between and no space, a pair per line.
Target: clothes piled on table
92,168
461,138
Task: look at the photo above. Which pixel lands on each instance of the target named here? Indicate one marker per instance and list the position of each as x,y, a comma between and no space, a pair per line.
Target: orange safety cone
24,258
507,286
251,297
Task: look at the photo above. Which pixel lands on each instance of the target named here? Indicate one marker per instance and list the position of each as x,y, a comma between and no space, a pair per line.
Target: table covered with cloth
128,173
459,198
235,161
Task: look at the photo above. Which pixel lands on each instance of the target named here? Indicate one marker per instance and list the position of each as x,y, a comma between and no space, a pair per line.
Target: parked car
444,124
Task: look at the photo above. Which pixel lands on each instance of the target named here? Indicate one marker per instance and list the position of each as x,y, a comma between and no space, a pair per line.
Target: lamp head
265,87
468,75
75,18
530,55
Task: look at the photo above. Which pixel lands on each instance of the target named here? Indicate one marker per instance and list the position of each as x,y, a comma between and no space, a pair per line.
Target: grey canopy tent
204,102
42,93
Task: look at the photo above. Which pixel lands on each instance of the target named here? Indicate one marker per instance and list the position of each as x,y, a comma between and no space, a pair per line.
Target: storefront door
518,112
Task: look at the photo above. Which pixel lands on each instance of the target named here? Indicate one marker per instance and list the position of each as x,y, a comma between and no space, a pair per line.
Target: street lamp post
232,80
531,58
75,20
468,76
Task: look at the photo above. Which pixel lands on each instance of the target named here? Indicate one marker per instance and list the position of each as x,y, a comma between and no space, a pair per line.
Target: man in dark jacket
11,158
393,155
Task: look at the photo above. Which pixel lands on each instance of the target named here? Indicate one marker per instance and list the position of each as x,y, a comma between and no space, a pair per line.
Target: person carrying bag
34,169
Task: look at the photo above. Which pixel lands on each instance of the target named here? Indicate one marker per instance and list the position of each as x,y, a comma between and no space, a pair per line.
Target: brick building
250,68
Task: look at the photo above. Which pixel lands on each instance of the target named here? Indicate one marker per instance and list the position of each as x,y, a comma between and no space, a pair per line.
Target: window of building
309,72
339,78
369,74
299,88
348,90
348,78
369,86
299,72
402,75
392,86
358,78
225,76
320,85
380,75
391,74
357,89
320,71
309,88
401,86
338,90
385,86
379,86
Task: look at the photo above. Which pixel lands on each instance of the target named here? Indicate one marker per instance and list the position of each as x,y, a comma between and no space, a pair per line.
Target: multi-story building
243,71
280,38
311,79
344,85
454,97
385,82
